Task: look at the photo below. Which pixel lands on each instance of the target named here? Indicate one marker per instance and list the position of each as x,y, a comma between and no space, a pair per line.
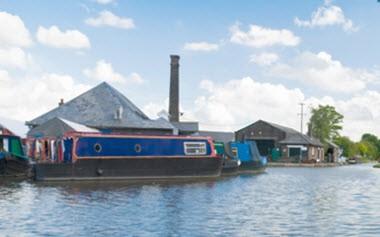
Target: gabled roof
57,127
97,108
300,139
282,128
292,136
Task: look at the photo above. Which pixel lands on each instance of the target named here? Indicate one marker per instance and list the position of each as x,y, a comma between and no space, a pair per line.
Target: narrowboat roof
98,107
92,134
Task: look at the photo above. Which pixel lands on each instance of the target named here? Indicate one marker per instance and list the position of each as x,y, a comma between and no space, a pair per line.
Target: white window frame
201,150
6,144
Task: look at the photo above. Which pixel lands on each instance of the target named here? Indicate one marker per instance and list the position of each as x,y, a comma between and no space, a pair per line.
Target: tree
325,123
373,145
349,147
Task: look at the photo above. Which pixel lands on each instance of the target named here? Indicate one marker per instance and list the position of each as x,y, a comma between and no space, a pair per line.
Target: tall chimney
174,89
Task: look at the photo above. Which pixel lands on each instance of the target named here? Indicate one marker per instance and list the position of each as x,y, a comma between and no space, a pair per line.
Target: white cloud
105,2
104,71
234,104
31,97
14,58
107,18
201,46
321,71
135,78
264,59
13,32
14,37
327,15
259,37
54,37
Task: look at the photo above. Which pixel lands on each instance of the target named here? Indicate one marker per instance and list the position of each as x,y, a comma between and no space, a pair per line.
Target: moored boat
230,164
13,162
249,156
96,156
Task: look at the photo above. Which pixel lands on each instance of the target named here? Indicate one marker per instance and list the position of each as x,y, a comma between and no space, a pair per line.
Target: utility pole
302,114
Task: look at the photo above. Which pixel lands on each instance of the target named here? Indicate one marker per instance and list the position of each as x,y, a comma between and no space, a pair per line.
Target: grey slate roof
97,108
293,137
224,137
186,126
57,127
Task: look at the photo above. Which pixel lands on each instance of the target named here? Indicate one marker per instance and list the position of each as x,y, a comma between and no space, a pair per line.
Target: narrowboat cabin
230,164
13,162
249,156
96,156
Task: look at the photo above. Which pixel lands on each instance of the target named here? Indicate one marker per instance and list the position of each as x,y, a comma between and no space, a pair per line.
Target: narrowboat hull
129,169
230,167
252,167
14,167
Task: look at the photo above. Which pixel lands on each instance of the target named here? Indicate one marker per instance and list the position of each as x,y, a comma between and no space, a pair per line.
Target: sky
240,60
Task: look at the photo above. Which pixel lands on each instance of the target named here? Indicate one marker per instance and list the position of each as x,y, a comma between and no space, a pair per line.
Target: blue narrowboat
96,156
249,156
13,162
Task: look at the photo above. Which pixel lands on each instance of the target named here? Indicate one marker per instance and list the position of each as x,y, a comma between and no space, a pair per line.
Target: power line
301,115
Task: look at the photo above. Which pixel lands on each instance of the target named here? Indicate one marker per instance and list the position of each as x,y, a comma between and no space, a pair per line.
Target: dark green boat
13,162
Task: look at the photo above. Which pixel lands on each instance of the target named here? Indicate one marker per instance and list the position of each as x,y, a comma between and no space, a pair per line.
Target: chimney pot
61,102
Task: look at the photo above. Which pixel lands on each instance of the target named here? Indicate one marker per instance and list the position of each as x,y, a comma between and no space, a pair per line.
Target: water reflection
342,201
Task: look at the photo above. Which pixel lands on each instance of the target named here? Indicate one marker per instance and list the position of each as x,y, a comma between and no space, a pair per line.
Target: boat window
235,152
5,144
195,148
138,148
97,147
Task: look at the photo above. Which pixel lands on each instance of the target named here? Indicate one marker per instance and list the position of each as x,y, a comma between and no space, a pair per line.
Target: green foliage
325,123
349,147
368,147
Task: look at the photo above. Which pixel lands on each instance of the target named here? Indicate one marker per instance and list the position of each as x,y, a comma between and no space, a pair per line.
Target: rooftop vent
119,113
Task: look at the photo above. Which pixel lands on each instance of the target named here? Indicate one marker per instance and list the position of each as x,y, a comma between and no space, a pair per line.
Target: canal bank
304,165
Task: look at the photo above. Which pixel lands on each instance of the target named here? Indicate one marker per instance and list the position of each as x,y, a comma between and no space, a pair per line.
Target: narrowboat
249,156
230,164
13,162
96,156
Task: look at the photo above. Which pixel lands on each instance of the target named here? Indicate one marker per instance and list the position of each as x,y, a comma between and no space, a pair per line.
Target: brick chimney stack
174,89
61,102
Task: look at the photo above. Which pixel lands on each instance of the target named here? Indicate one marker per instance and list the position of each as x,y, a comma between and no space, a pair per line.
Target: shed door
264,146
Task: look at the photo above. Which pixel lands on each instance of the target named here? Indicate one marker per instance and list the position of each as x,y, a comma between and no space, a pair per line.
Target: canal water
341,201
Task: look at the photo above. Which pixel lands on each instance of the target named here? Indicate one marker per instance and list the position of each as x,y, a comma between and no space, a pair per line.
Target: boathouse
108,110
281,143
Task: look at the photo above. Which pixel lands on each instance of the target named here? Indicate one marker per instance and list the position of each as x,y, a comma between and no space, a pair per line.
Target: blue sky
240,60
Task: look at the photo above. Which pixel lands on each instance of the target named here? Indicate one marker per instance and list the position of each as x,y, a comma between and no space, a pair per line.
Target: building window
312,151
195,148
